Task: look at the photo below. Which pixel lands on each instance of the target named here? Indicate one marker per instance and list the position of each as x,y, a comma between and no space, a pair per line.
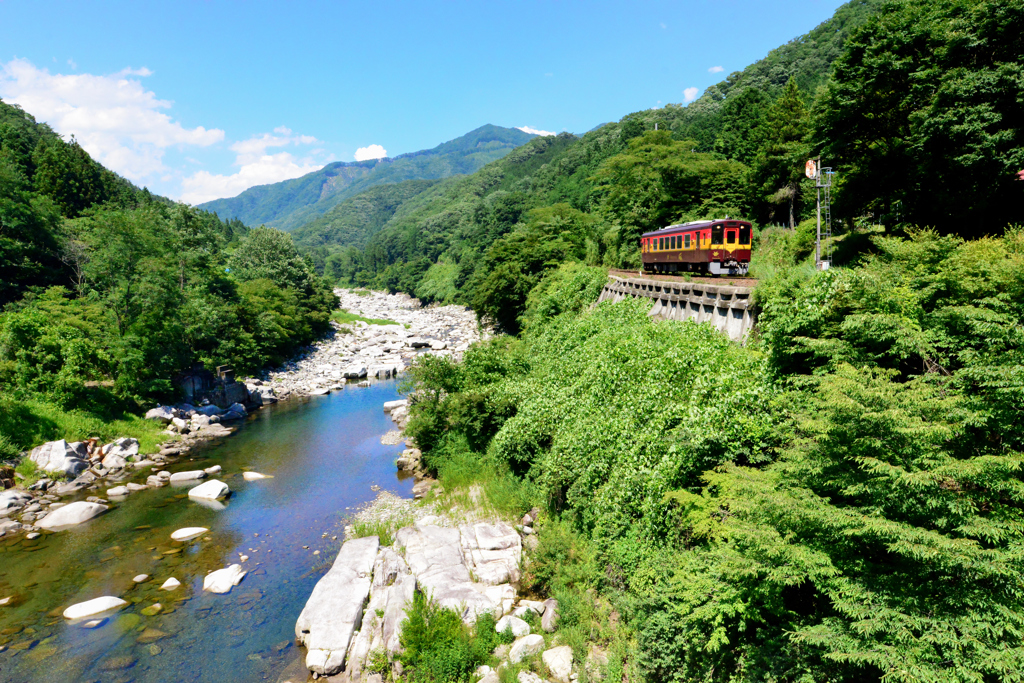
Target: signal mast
822,178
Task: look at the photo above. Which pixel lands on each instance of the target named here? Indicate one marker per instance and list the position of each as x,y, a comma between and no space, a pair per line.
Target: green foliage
569,289
922,114
384,529
778,166
343,317
439,647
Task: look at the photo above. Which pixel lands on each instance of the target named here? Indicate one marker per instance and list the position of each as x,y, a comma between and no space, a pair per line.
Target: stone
519,627
354,372
558,660
126,448
549,621
12,500
238,408
105,605
133,487
188,533
140,578
436,559
142,464
60,456
188,475
438,345
93,623
529,677
212,470
162,413
335,607
118,663
255,476
211,490
180,425
170,584
209,410
535,606
118,491
71,515
223,580
493,551
199,421
152,610
114,461
150,634
524,647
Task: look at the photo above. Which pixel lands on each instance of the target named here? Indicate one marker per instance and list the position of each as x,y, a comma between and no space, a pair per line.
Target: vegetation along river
324,454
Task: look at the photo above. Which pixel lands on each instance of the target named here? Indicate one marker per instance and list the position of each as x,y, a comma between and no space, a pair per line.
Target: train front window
717,233
730,236
745,236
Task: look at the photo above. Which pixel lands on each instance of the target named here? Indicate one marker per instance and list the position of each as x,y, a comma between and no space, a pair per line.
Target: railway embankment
728,308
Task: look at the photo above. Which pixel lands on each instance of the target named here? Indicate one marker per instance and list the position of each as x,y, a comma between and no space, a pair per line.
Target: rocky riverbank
360,351
356,352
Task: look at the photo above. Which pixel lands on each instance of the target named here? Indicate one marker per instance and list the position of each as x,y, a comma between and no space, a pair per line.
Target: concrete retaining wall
729,309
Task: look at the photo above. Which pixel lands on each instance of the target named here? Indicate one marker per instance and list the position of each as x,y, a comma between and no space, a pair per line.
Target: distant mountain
291,203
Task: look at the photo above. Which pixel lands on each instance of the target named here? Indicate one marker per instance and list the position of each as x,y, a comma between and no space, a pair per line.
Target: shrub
438,647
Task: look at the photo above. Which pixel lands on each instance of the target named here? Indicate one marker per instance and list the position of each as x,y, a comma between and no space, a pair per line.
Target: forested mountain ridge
292,203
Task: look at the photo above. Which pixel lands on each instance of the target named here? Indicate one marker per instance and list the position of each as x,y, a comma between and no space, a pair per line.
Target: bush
438,647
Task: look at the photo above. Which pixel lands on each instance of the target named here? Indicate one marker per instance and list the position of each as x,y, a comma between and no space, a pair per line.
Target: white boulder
12,500
211,490
255,476
170,584
519,627
162,413
391,405
188,533
95,607
189,475
223,580
558,660
60,456
527,646
71,515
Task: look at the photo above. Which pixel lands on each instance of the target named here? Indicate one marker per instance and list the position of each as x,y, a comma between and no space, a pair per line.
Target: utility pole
822,178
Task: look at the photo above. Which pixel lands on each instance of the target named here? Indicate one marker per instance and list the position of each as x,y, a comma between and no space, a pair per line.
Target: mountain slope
358,218
291,203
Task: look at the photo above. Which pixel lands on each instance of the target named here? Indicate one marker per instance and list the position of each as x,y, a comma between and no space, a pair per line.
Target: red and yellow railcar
719,247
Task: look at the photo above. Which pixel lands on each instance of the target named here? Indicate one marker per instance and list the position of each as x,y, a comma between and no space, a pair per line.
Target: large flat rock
71,515
335,608
435,556
493,552
391,593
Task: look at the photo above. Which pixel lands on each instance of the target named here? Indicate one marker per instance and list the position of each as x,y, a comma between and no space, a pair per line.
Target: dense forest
108,291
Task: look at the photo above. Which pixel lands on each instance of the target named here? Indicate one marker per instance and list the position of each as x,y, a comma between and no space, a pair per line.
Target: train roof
695,225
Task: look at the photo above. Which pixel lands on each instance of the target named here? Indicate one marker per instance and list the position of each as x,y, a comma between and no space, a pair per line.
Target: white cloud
535,131
690,94
118,121
716,70
256,167
370,152
72,64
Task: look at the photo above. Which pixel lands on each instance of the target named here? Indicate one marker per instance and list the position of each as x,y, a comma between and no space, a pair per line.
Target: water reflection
324,454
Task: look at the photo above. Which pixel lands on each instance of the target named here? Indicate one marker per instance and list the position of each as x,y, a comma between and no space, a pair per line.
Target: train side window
675,241
717,232
661,243
730,236
686,241
745,235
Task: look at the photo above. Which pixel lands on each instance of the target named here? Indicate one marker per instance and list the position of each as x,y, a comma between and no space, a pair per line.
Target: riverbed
326,459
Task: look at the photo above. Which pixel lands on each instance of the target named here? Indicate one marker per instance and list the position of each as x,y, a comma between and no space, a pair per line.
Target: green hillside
292,203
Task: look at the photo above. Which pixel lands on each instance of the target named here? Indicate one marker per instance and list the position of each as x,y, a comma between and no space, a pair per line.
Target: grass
384,529
343,317
25,424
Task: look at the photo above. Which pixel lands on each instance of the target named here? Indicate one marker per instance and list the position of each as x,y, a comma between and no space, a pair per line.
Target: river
324,454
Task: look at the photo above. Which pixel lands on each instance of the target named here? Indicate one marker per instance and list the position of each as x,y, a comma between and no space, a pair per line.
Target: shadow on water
324,454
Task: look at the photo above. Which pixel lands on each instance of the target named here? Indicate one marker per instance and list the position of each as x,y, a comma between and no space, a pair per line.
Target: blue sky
198,100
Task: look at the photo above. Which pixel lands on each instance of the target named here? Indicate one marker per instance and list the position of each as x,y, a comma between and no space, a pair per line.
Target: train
715,247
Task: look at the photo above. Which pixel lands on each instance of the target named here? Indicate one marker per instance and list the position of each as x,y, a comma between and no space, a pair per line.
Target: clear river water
324,454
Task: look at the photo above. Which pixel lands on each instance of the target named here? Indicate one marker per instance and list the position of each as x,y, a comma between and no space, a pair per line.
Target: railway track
727,280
